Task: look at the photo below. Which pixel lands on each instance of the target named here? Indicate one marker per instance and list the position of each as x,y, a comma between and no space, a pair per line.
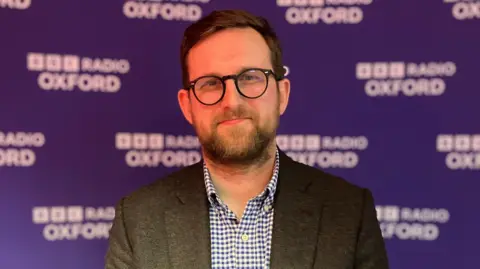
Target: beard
240,144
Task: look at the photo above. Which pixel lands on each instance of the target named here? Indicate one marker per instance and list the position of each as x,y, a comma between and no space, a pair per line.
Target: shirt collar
269,191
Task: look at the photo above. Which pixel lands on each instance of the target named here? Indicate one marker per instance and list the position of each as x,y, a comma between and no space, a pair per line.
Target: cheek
269,105
272,94
202,119
266,115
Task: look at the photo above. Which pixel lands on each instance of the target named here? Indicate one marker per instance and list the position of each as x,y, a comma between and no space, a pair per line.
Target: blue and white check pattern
245,243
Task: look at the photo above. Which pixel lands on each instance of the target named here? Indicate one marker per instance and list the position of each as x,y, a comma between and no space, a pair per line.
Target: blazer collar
187,221
298,208
296,219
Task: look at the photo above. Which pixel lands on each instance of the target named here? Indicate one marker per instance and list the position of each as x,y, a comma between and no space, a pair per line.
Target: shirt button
244,237
267,207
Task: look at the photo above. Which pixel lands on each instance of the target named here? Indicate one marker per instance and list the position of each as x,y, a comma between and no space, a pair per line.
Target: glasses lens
208,90
252,83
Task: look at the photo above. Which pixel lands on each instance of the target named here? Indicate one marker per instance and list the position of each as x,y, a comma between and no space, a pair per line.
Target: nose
232,97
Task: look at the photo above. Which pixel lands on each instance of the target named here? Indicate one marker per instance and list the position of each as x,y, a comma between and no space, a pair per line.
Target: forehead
227,52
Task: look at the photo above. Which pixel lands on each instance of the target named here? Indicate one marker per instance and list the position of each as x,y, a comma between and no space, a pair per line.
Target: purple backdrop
384,94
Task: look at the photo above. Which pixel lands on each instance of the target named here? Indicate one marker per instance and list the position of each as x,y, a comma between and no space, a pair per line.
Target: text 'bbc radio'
462,150
17,149
158,149
66,73
323,151
74,222
393,79
407,223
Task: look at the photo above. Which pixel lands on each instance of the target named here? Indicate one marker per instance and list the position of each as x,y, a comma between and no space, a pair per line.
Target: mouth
233,121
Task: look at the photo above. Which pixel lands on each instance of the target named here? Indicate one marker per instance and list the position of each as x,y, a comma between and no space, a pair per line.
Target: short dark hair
224,19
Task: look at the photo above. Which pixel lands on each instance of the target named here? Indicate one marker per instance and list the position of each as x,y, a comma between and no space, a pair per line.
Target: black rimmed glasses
250,83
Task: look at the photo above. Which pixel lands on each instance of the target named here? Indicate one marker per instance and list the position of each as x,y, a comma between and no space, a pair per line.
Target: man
246,204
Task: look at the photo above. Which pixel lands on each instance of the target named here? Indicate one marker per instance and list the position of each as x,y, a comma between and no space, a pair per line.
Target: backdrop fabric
384,94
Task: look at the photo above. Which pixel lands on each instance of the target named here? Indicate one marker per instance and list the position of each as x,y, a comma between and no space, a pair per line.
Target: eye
208,82
252,76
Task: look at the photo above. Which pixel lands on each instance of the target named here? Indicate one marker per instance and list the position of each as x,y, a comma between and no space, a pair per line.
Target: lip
233,121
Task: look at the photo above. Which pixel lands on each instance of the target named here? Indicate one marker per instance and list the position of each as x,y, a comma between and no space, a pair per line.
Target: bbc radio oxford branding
158,149
15,4
464,9
324,11
74,222
323,151
66,73
462,151
393,79
167,10
406,223
17,148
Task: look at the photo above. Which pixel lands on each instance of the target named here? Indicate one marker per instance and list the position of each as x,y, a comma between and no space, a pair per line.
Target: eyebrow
239,71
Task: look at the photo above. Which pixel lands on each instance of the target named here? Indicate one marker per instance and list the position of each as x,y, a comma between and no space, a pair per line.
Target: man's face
237,129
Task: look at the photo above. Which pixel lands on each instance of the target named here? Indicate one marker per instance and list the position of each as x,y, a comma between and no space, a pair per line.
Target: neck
242,182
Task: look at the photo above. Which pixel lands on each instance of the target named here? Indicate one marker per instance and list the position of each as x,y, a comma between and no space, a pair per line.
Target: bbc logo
381,70
458,142
53,62
388,213
299,142
126,141
57,214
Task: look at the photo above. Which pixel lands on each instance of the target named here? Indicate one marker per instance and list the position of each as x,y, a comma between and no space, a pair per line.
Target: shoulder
162,190
335,187
344,199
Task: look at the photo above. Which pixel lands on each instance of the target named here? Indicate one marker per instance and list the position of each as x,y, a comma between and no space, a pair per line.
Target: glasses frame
266,72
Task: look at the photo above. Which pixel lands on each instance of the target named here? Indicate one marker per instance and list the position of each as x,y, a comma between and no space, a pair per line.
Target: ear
284,92
185,105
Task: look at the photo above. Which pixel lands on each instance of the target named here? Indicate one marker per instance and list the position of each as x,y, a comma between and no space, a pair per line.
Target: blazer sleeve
119,253
371,252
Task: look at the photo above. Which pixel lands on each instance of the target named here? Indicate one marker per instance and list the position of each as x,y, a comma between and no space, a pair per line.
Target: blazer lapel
297,214
187,222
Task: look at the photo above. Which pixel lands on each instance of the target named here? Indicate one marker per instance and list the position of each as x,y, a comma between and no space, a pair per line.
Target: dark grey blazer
320,221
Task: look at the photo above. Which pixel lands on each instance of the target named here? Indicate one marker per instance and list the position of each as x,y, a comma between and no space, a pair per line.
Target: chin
235,137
